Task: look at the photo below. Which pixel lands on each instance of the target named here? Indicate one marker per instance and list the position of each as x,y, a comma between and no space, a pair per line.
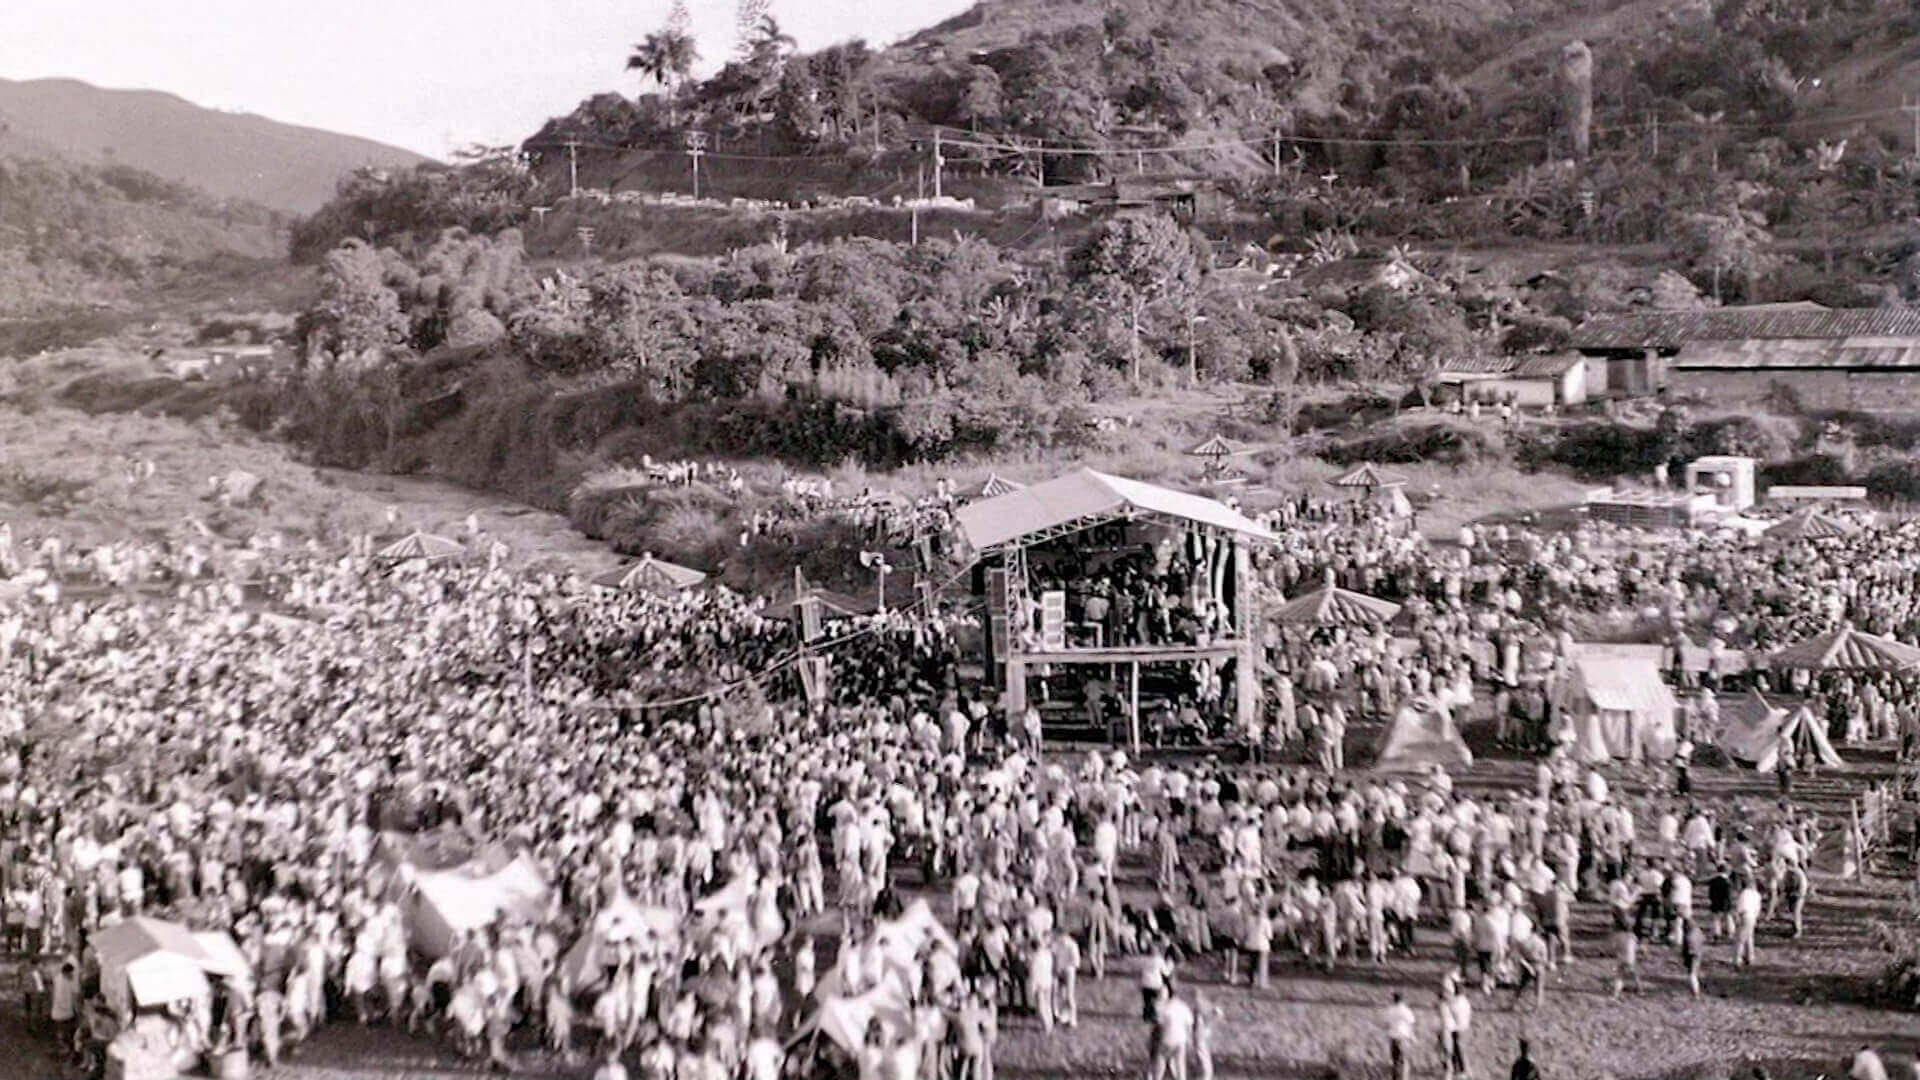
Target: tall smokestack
1576,97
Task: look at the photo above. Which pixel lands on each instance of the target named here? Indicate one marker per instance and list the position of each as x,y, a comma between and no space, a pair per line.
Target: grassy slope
63,472
283,166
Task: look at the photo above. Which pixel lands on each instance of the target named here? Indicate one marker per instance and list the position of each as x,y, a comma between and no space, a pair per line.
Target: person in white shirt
1172,1035
1399,1022
1456,1019
1867,1065
1746,918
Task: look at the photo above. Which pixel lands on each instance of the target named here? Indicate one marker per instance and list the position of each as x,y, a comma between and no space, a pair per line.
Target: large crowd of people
284,744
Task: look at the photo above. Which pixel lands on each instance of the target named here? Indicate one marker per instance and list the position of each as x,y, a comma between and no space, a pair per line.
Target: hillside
280,166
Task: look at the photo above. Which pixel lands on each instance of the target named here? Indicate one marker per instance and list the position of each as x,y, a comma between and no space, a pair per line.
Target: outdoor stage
1037,545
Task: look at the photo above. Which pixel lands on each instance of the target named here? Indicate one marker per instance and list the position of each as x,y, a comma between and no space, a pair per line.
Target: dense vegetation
74,235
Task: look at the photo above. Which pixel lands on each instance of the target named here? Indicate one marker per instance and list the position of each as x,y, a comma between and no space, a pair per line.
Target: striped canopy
1368,475
993,485
651,574
1217,447
1335,606
420,545
1811,524
1848,649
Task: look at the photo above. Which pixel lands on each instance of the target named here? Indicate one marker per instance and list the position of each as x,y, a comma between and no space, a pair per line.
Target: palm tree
770,45
667,57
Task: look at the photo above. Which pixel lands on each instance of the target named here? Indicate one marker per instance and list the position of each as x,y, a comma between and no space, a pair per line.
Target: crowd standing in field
278,742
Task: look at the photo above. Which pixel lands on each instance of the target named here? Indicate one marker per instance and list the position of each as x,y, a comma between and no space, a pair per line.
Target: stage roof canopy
1084,498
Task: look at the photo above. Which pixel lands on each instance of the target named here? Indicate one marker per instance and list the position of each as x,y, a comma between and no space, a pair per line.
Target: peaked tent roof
1811,524
1755,726
1332,605
1368,475
994,485
1422,733
1847,649
421,545
1085,495
1217,446
651,573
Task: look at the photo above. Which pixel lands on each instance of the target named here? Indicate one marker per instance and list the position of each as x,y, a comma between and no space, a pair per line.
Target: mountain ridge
287,167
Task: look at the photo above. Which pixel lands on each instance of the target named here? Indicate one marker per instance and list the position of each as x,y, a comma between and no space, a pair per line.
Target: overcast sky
429,75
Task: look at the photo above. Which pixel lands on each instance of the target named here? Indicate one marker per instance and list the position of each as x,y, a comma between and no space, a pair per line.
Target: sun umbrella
651,574
994,485
420,545
1217,447
1368,476
1847,649
1335,606
1810,524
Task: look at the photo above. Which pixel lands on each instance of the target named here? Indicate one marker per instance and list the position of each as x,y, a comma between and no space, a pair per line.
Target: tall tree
667,57
1131,263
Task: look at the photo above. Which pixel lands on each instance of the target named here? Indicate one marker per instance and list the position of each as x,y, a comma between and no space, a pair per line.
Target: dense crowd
263,742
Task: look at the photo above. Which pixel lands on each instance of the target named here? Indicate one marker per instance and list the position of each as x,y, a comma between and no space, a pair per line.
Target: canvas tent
422,546
1335,606
994,485
649,574
1615,706
1084,496
448,903
1756,727
1847,649
622,921
1367,477
151,962
1422,734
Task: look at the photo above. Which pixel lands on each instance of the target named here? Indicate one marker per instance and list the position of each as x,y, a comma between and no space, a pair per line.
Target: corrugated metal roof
1800,354
1545,367
1479,365
1088,494
1673,329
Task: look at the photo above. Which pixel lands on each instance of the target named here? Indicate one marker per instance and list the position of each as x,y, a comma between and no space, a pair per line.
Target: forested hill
1424,91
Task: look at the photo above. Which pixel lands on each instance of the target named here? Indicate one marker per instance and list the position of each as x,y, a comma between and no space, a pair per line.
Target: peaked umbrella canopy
1847,649
993,485
1219,446
1332,605
651,574
1368,475
1811,524
420,545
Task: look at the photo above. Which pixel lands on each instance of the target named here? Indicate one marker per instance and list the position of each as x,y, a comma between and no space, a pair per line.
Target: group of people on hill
286,744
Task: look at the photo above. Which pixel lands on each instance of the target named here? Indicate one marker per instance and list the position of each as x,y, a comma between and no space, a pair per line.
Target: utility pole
1912,109
937,162
696,146
573,168
1276,153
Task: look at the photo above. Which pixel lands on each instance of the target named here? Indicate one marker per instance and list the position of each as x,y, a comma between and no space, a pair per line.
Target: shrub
1810,470
1597,449
1765,438
1895,480
1436,441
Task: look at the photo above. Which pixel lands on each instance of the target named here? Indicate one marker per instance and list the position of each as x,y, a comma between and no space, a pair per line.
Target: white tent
621,921
1756,727
1422,734
150,962
448,903
1614,706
